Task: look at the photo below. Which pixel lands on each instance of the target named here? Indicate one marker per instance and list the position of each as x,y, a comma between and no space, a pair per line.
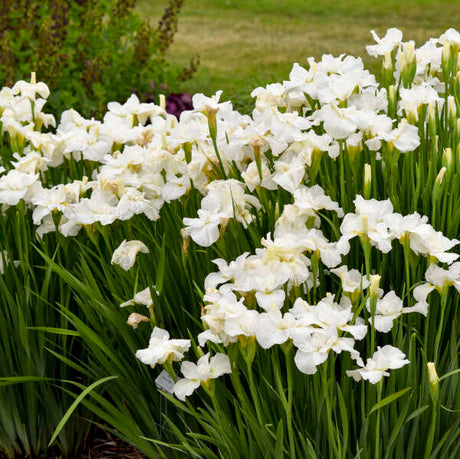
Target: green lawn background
243,44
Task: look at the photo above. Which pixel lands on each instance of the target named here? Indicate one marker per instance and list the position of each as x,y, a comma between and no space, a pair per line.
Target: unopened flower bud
373,292
451,107
367,181
432,115
451,110
402,60
162,101
433,379
446,59
446,53
199,351
392,100
392,92
277,210
375,282
440,176
410,51
447,158
387,63
435,144
387,70
33,78
408,63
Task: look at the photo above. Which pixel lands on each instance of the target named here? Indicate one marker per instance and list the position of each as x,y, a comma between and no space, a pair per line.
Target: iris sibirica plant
295,272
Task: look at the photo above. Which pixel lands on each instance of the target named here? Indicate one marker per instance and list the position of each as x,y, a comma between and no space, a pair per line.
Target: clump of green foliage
89,52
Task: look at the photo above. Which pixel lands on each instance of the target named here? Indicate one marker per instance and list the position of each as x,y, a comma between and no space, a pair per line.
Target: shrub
89,51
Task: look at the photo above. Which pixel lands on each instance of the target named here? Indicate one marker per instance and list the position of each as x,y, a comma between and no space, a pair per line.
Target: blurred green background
243,44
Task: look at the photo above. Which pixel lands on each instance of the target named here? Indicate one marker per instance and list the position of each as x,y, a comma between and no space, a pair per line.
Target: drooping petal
185,387
307,362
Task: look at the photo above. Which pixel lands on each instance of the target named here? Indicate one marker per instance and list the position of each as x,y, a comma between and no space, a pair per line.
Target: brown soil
105,445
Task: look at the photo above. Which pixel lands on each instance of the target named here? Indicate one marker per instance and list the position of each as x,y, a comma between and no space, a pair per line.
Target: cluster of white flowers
438,279
271,273
224,199
385,358
163,350
376,221
140,158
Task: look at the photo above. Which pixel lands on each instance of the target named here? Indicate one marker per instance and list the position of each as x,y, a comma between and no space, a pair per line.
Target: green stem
367,257
343,191
440,327
333,451
367,254
315,265
289,405
407,255
254,393
216,150
429,442
407,262
377,423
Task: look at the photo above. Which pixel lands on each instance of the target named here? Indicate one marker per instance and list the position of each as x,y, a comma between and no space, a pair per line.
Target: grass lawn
243,44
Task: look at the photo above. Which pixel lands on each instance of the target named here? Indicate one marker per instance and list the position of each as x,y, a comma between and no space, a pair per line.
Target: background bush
89,52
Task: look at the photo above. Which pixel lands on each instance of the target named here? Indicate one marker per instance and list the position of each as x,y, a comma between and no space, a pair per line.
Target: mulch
105,445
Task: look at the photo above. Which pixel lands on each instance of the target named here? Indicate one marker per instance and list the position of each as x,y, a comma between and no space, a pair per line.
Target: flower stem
289,371
254,393
377,424
440,327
